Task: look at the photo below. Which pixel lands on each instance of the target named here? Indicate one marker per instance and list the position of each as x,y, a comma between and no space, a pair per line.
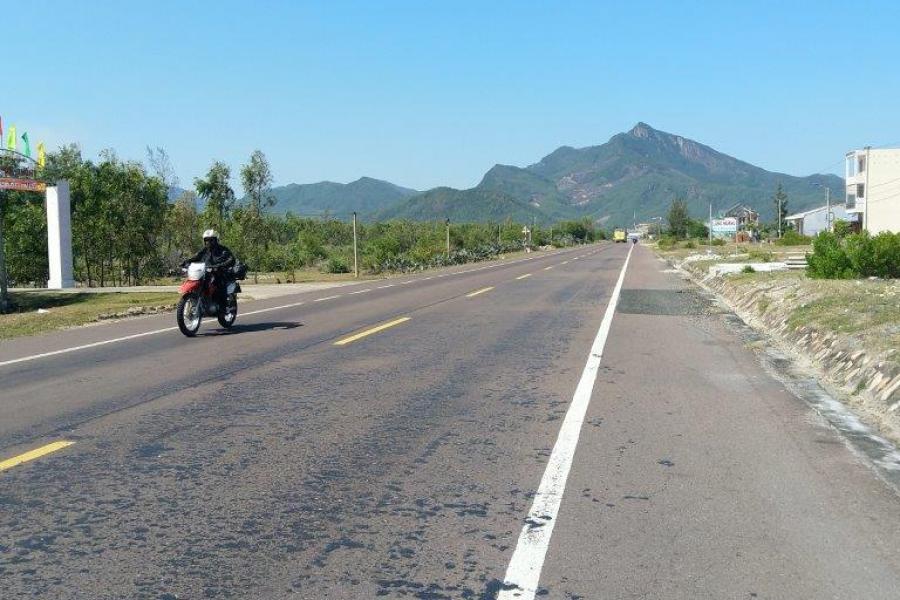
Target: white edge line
126,338
327,298
524,571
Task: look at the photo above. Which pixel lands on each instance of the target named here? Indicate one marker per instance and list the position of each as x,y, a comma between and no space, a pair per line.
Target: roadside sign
724,228
22,185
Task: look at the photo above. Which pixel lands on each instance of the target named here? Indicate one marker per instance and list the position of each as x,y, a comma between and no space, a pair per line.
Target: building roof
801,215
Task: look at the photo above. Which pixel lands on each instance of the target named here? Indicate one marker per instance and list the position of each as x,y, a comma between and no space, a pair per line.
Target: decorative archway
19,172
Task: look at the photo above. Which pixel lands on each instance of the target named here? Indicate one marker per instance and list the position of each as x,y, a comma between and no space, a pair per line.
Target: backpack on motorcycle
239,270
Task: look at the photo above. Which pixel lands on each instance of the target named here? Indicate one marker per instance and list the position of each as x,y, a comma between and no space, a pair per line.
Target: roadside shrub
858,247
335,264
748,269
690,244
886,250
760,255
718,242
792,238
667,242
828,259
855,255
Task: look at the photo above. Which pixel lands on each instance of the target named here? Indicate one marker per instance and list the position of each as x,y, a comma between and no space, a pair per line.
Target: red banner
22,185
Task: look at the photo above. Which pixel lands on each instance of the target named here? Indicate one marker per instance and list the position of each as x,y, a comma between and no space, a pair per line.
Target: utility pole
779,216
448,238
551,235
828,219
4,294
533,225
499,227
355,250
709,231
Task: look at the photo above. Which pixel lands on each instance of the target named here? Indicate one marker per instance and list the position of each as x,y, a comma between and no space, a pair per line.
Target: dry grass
67,309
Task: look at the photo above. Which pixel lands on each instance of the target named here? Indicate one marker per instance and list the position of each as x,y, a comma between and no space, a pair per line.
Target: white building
873,188
811,222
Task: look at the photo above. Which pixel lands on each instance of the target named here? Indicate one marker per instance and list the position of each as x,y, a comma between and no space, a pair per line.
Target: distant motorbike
200,298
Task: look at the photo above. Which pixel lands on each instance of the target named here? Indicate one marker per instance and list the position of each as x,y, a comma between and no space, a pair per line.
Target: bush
886,255
335,264
828,259
760,255
856,255
690,244
718,242
792,238
748,269
667,242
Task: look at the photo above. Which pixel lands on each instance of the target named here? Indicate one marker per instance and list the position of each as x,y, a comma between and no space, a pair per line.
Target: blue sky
435,93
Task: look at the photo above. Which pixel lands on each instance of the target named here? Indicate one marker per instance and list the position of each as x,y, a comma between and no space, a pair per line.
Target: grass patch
72,309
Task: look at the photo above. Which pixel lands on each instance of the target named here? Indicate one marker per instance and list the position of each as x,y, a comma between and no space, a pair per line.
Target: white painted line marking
360,291
548,268
384,287
524,571
327,298
127,337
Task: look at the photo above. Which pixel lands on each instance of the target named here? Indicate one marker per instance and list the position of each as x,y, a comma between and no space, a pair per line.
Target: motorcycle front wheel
189,314
228,314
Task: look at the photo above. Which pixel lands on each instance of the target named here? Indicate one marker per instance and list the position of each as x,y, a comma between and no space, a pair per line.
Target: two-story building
873,188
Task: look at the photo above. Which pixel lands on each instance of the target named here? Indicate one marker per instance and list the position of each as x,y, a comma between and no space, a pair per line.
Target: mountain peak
642,130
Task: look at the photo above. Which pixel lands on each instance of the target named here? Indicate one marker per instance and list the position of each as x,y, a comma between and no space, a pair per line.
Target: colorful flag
42,156
27,144
11,138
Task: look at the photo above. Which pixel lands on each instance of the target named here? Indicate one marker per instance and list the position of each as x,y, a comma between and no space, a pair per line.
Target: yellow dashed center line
370,331
33,454
481,291
565,262
548,268
524,276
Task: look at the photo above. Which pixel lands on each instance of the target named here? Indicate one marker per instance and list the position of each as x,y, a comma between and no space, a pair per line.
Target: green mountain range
634,176
365,196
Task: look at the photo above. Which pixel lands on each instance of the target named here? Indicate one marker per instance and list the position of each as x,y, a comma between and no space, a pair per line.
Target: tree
780,200
182,227
217,194
161,166
256,178
678,218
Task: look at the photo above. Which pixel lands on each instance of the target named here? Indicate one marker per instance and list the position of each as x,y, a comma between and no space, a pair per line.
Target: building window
861,163
861,191
851,201
851,166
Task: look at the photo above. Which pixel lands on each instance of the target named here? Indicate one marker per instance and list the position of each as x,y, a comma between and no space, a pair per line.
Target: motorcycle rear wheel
189,314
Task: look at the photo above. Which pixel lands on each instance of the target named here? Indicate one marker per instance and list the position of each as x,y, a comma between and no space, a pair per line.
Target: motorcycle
200,298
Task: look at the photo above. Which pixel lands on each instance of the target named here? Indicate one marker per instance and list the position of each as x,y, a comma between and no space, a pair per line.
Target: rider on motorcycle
218,257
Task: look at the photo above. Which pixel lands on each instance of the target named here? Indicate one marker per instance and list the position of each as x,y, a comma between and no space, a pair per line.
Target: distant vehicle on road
619,235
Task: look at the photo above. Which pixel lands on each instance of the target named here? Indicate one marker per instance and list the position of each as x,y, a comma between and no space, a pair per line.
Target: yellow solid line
481,291
369,332
33,454
524,276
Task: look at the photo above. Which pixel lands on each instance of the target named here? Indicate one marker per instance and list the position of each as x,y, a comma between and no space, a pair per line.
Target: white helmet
210,233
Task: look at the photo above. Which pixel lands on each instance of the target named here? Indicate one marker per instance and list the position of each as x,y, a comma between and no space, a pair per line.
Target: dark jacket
219,258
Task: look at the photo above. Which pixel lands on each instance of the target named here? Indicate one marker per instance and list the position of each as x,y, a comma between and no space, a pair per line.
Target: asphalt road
450,435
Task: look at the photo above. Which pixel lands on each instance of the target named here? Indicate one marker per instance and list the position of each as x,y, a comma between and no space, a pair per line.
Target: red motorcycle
200,297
